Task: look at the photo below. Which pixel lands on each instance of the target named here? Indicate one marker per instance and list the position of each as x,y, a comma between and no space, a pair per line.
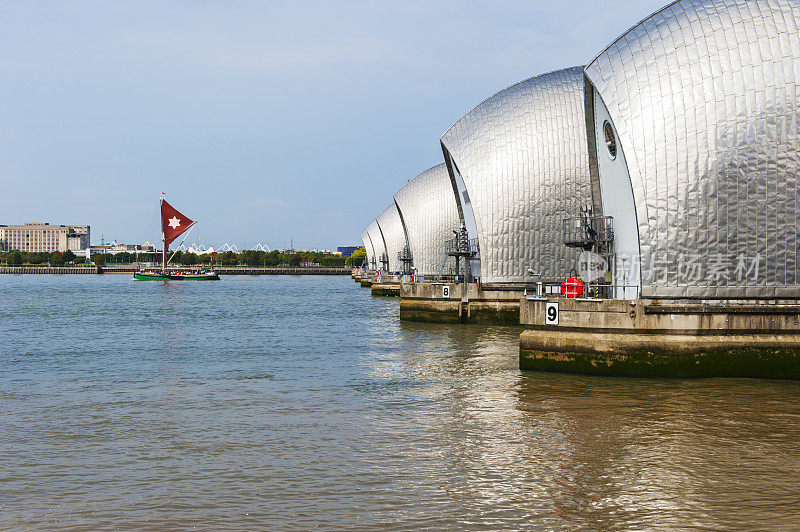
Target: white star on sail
174,222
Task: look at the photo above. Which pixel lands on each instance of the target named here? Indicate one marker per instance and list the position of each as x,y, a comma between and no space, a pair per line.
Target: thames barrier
574,305
637,215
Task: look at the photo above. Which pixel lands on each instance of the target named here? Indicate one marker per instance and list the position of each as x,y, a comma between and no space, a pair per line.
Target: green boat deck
203,276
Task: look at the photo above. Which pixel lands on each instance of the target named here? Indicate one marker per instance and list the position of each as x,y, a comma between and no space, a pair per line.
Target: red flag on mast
173,223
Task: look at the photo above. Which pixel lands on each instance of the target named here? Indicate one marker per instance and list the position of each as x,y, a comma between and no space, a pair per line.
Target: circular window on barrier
611,140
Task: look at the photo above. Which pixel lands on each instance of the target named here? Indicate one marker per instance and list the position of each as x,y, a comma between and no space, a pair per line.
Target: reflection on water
303,402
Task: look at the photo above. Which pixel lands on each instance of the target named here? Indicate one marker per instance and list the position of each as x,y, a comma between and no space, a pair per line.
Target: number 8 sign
551,314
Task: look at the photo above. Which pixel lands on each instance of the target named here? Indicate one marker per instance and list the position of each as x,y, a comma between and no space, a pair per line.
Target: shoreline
226,270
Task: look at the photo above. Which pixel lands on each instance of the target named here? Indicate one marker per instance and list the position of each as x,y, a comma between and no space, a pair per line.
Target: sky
266,121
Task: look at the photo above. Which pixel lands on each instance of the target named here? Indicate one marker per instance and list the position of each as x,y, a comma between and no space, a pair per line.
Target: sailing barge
173,225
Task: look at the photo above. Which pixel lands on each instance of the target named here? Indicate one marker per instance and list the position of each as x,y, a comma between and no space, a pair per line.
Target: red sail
173,223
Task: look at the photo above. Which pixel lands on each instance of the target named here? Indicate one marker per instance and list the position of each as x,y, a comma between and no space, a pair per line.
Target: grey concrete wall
433,291
650,339
644,317
466,304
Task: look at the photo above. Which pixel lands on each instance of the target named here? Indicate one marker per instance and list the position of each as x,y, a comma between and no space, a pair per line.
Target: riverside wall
130,269
32,270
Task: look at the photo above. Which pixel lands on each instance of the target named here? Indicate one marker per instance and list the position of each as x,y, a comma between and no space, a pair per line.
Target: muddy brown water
297,403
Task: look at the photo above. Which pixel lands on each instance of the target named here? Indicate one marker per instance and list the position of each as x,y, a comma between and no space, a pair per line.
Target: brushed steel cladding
393,235
705,99
379,248
523,157
372,258
367,248
429,213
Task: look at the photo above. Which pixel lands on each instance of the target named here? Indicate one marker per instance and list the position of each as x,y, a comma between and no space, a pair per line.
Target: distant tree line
272,258
358,257
251,258
56,258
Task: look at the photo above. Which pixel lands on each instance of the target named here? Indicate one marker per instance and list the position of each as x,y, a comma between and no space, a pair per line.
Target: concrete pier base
382,285
450,303
386,289
650,339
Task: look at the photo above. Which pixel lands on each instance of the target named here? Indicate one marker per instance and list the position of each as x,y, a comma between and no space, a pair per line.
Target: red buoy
572,287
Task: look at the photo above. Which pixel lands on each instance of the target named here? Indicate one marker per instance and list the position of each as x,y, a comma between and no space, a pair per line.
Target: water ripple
298,403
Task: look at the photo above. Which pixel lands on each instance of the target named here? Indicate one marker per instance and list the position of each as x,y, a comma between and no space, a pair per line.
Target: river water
303,402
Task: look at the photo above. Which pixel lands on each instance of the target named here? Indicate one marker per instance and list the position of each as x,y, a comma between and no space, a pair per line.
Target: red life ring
572,287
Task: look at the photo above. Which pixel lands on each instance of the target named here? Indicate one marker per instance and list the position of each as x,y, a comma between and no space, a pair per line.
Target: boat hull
146,276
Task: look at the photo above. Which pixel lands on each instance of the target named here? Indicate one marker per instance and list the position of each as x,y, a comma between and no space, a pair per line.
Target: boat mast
164,240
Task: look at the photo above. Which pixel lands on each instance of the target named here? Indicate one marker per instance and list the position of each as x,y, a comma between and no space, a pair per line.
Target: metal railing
447,278
590,290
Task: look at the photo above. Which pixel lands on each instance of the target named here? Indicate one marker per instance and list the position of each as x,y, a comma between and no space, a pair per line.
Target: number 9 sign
551,314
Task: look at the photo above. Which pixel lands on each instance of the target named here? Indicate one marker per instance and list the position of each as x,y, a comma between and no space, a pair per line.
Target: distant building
346,251
115,247
43,237
316,250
